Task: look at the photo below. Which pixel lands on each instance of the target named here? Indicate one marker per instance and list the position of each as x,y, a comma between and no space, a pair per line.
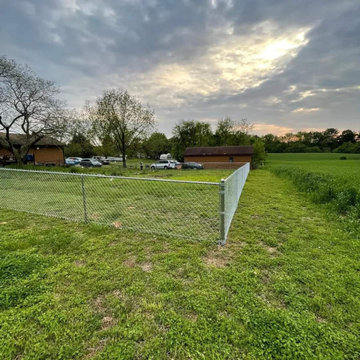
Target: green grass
116,169
286,286
184,209
327,179
324,163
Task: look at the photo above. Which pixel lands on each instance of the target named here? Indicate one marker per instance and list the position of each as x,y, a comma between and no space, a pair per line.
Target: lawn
326,178
116,169
285,286
346,170
189,210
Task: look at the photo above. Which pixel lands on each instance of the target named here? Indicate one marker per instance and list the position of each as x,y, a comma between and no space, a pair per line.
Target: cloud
273,62
230,65
263,129
304,110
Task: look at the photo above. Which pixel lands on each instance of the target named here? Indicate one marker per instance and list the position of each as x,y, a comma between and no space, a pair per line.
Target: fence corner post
84,198
222,212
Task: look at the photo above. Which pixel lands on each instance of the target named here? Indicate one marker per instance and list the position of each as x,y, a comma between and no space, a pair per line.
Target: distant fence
171,207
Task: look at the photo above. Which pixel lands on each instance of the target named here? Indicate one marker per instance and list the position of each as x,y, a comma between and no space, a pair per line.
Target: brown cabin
47,151
219,157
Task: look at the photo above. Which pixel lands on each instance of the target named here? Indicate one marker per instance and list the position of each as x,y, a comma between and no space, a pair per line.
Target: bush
259,155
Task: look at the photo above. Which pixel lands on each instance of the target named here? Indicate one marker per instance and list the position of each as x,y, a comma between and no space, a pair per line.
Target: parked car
115,159
90,163
176,163
192,165
72,160
163,164
102,160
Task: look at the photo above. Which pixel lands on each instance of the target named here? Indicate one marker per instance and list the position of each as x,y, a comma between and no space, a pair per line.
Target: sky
284,65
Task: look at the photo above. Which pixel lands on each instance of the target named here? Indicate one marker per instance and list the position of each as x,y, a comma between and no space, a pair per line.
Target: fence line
230,191
181,208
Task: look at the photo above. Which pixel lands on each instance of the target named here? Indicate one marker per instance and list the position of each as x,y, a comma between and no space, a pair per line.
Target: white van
165,156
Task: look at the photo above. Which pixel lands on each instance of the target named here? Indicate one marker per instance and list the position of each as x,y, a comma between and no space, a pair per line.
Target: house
47,151
219,157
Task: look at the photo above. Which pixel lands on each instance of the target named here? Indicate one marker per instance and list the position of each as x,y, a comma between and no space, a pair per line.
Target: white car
163,164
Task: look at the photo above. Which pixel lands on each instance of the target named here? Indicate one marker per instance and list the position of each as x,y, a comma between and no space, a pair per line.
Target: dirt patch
320,319
96,349
147,267
192,317
98,304
79,263
130,262
107,322
270,250
117,224
218,258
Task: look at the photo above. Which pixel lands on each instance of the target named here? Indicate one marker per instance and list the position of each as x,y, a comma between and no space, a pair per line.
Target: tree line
117,123
185,134
329,140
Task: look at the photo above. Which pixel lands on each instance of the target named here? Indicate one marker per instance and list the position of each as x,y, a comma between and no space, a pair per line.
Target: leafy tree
108,147
122,117
190,133
224,132
79,146
259,155
156,145
28,106
347,136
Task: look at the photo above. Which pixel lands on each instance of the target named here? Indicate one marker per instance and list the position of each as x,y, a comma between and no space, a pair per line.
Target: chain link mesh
180,208
234,185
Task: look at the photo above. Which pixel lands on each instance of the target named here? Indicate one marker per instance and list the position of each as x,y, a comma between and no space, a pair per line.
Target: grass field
327,179
347,171
285,286
211,175
190,210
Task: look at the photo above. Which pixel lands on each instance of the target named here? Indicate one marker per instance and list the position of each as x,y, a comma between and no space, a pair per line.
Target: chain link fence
230,191
171,207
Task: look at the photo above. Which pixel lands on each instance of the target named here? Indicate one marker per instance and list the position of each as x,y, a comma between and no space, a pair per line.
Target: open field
324,163
286,286
326,178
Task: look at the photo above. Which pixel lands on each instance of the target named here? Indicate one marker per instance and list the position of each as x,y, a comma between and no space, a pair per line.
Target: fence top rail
109,176
241,167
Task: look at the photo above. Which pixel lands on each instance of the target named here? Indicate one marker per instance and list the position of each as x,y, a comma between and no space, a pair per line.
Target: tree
79,146
156,145
28,106
122,117
190,133
243,126
347,136
259,154
224,132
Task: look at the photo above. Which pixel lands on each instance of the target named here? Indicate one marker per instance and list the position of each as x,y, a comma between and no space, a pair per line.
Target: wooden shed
47,151
219,157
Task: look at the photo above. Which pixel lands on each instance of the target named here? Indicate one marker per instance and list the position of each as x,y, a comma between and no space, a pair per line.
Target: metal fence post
84,198
222,212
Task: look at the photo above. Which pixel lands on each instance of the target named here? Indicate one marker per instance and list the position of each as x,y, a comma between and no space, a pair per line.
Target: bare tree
122,117
243,126
28,106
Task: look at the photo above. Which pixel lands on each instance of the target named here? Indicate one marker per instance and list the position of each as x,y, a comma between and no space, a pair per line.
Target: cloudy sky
284,65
